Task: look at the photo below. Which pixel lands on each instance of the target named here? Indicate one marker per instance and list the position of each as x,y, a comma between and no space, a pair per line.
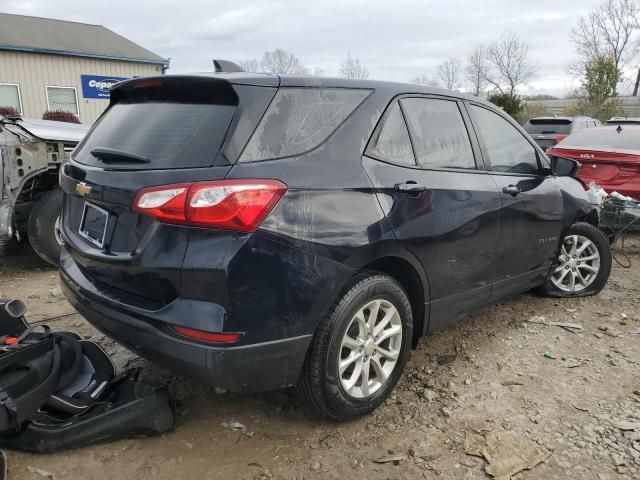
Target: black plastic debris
129,409
58,391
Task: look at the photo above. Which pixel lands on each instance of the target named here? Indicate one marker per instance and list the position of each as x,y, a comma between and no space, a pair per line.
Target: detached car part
31,153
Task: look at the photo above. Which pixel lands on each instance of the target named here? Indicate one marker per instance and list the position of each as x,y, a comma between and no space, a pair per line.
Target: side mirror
564,167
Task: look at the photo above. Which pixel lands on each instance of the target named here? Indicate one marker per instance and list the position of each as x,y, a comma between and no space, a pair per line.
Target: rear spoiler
197,88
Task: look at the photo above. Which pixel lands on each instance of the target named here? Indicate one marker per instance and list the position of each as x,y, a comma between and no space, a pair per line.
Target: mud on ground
572,405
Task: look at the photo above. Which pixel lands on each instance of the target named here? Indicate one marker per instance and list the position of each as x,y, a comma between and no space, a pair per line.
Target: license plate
93,225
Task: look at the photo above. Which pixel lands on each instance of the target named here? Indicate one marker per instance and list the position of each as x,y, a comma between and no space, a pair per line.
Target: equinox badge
82,188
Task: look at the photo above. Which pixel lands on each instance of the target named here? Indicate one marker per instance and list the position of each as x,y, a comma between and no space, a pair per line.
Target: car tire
585,257
43,222
324,384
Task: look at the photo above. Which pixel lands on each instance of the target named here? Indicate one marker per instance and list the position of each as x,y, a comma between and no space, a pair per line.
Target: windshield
169,135
610,138
548,126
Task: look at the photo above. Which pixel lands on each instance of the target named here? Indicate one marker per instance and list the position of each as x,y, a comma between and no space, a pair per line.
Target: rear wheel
583,265
43,227
360,349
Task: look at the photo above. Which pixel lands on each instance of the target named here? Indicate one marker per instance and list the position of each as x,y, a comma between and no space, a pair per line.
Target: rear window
169,135
625,139
300,119
548,126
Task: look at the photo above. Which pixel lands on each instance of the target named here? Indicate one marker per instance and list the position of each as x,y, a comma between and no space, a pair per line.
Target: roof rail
225,66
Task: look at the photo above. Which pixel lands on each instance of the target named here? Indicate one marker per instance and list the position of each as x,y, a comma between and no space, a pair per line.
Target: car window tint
169,135
507,149
300,119
440,138
392,140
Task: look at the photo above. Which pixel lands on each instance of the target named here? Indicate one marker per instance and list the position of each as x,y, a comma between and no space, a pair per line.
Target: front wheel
583,265
360,348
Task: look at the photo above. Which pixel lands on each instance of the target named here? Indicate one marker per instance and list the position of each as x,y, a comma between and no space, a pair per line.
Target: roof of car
568,119
632,128
335,82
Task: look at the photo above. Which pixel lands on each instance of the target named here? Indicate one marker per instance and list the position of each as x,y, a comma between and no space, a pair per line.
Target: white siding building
50,64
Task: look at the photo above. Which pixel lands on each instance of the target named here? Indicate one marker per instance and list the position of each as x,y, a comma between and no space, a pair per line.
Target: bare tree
282,62
477,70
424,79
608,31
509,64
449,73
250,65
352,67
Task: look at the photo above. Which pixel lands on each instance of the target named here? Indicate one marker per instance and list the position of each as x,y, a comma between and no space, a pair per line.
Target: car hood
49,129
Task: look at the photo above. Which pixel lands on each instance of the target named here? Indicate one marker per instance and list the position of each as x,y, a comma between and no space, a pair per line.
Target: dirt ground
500,380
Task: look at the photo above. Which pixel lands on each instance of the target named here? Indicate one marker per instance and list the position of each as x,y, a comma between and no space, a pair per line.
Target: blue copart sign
96,86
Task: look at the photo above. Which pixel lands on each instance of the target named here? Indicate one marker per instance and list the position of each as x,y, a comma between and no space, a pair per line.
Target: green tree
509,102
598,92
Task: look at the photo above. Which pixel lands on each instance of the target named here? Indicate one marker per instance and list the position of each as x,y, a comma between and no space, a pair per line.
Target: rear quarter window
300,119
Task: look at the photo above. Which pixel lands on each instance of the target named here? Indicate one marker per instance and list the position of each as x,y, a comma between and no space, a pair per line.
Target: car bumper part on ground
247,368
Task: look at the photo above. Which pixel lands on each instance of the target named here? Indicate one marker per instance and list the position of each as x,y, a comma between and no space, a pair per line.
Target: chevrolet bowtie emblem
82,188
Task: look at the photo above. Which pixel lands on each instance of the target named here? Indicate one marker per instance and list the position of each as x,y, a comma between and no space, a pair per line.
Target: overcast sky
396,39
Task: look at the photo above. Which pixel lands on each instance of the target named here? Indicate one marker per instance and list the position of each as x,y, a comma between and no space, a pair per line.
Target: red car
610,156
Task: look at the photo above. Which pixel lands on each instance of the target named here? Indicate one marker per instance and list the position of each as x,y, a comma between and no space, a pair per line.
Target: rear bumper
244,368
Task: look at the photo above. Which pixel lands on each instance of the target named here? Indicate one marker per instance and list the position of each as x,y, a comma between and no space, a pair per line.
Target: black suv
262,231
548,131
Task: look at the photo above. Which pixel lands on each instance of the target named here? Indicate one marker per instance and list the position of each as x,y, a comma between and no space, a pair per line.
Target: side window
392,142
507,149
440,138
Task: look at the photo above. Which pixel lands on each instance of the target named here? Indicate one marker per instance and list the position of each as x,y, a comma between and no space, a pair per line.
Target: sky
396,39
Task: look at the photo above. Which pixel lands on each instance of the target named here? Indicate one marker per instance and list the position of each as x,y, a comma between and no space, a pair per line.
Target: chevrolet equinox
262,231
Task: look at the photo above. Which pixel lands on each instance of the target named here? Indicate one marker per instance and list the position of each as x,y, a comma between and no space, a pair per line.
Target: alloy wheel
578,264
370,348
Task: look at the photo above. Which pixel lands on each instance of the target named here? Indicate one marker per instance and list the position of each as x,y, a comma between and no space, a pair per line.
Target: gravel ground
580,402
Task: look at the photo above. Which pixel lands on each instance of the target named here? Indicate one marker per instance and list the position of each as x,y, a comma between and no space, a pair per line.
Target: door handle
512,190
410,187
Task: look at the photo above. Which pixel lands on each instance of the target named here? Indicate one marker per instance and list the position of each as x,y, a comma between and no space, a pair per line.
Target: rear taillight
204,336
239,205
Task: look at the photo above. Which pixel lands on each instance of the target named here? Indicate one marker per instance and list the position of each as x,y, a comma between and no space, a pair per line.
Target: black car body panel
461,241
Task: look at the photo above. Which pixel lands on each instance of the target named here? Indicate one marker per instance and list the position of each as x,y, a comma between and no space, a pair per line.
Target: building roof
61,37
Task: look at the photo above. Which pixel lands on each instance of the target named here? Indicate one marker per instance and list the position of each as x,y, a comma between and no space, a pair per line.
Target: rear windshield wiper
111,155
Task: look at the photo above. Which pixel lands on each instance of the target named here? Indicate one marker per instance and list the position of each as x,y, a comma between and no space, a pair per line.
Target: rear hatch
548,131
156,131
